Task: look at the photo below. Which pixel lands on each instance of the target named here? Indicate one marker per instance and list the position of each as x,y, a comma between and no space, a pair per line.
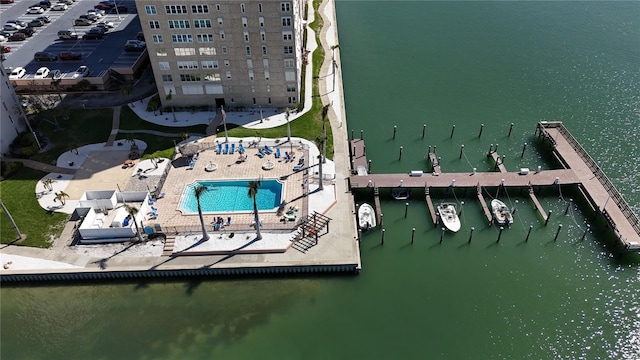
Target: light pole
117,11
224,123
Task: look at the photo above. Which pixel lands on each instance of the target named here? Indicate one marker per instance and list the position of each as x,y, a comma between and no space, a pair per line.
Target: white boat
401,194
449,216
366,217
501,213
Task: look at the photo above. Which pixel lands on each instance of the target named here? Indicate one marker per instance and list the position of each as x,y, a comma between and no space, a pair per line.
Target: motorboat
401,194
449,216
366,217
501,213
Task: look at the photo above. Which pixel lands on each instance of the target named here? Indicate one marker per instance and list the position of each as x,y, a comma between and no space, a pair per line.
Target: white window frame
157,39
182,38
164,65
154,24
204,38
150,10
200,9
202,23
179,24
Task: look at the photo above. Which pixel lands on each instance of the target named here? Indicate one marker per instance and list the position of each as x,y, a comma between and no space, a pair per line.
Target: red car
69,56
103,7
5,49
7,1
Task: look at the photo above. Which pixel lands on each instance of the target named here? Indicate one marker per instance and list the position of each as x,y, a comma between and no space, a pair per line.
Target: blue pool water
231,196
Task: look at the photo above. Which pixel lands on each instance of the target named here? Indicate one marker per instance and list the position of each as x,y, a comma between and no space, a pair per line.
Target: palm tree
169,97
199,190
253,192
133,211
62,197
48,183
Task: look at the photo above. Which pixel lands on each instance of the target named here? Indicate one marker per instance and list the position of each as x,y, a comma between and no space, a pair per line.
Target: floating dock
579,170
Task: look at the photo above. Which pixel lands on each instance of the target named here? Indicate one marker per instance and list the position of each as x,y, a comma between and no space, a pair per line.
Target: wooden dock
358,155
432,210
435,163
485,208
579,169
538,206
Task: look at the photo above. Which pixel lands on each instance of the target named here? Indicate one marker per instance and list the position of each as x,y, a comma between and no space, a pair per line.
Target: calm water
229,196
409,64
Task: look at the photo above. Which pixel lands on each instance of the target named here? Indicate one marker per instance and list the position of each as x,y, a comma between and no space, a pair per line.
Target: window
265,63
292,99
247,49
244,22
209,64
286,21
289,63
220,22
287,35
242,8
184,51
251,75
263,35
157,39
189,77
200,9
169,89
207,51
150,10
259,7
167,78
227,63
175,9
154,24
228,74
224,50
182,38
285,7
288,49
291,88
218,7
246,36
289,75
187,64
264,49
192,89
204,38
202,23
266,75
215,77
261,21
161,52
179,24
221,34
164,65
249,64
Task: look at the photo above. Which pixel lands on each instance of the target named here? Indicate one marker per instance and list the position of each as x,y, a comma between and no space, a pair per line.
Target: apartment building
236,53
11,115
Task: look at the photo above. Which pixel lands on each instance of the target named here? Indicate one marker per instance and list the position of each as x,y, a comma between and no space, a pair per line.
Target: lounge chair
192,164
226,149
298,167
287,157
240,148
196,156
277,153
301,161
233,149
261,153
219,151
268,150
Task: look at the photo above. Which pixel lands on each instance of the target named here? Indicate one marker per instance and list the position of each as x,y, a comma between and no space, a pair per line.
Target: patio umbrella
189,149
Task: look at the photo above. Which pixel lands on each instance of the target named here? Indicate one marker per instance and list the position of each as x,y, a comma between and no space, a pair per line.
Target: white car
42,73
82,71
2,38
106,25
35,10
55,74
97,13
59,7
12,27
17,73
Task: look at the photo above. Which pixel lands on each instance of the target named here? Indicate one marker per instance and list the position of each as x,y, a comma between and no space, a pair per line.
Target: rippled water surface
407,64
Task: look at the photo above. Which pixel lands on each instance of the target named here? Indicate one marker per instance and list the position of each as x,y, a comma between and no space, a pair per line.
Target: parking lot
98,55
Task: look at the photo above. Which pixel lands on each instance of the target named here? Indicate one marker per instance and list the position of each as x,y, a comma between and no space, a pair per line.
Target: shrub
9,168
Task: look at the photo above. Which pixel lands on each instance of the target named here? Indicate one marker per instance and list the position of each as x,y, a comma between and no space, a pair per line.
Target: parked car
118,10
45,18
20,23
70,56
42,73
5,49
66,2
134,45
7,1
92,36
17,73
3,38
59,7
36,23
55,74
97,30
45,56
90,17
45,4
103,7
17,37
5,33
82,71
12,27
98,13
28,31
35,10
67,35
106,25
83,22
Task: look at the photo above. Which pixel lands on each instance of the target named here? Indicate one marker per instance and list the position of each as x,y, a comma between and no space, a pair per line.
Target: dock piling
547,219
413,232
394,131
400,157
523,148
585,233
453,128
480,133
490,149
461,207
381,219
361,134
500,233
441,235
424,128
510,128
471,234
382,237
461,150
557,232
406,209
369,167
566,211
528,233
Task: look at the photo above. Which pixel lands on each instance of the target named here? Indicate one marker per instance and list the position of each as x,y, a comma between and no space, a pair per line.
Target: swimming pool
231,196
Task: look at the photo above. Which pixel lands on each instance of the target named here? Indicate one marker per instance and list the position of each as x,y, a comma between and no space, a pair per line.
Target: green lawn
36,223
